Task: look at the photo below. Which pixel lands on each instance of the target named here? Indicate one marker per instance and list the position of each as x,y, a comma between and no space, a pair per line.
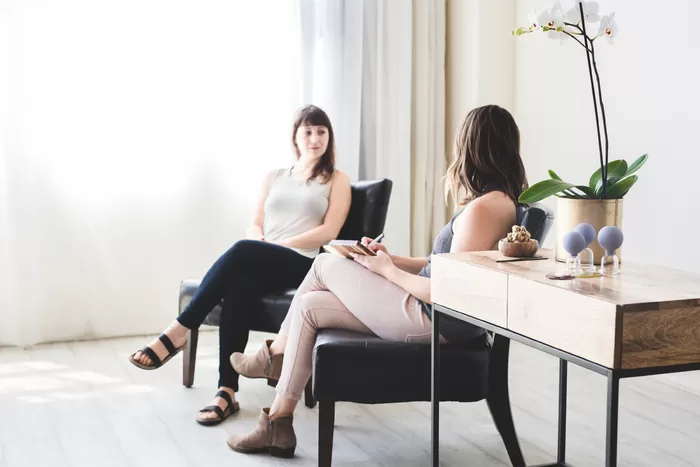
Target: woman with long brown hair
300,208
388,295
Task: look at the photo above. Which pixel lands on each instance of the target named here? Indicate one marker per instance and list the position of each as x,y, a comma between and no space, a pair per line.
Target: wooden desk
643,321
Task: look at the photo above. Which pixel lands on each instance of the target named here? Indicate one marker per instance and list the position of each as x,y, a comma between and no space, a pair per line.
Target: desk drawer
569,321
472,290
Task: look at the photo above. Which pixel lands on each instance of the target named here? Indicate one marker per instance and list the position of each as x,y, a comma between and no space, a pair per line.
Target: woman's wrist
390,272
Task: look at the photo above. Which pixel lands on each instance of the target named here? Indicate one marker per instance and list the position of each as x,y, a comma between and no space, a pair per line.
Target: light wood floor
84,404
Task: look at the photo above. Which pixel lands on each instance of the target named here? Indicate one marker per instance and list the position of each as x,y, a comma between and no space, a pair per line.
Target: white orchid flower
532,21
590,12
608,28
552,21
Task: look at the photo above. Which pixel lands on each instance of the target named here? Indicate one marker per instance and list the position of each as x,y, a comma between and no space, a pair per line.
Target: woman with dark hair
299,210
388,295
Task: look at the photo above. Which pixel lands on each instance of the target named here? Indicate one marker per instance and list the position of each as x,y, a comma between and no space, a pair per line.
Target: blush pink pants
342,294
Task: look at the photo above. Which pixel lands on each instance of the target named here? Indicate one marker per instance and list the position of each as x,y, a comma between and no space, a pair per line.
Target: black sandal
230,409
155,361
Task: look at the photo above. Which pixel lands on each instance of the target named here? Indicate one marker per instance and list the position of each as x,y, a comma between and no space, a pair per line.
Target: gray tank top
442,244
293,207
454,330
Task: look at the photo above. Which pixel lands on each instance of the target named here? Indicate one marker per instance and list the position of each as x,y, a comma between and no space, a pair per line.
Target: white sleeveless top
293,207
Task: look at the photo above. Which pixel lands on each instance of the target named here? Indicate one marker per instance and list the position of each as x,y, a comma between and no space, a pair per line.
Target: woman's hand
275,242
380,264
374,246
255,232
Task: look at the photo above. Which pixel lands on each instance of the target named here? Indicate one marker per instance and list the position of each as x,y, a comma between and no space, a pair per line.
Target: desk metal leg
561,448
611,432
561,436
435,398
498,399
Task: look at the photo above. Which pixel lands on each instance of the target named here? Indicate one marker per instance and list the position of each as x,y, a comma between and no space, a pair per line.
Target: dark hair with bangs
314,116
487,156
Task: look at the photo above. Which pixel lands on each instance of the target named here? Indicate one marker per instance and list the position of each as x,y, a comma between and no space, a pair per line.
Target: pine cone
518,234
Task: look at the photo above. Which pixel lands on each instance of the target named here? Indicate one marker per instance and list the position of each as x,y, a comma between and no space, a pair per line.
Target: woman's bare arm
477,228
409,264
483,223
255,229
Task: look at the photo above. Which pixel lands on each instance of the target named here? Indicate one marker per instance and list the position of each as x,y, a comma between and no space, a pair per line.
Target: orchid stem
603,167
574,38
602,113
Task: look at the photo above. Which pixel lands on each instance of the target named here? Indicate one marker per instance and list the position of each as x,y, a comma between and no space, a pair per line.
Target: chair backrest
370,204
537,219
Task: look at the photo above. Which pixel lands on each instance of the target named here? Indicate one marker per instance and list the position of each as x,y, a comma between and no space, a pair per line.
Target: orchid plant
612,180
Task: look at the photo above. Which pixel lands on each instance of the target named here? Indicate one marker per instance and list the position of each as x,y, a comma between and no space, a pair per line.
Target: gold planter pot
597,212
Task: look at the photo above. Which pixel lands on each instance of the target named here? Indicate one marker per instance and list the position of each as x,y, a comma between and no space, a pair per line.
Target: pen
379,237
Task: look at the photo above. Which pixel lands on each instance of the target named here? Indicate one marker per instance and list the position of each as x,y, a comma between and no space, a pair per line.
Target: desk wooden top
645,317
638,284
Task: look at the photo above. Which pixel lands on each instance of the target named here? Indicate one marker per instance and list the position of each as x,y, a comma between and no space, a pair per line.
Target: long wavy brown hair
487,157
314,116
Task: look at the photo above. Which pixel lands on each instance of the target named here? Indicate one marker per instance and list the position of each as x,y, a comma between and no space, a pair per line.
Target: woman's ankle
177,330
229,390
275,414
282,407
277,347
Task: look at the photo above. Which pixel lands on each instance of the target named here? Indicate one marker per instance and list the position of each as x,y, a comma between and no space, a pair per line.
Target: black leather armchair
351,367
367,216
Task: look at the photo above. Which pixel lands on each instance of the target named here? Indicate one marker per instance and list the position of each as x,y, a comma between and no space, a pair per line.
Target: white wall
7,325
479,62
480,67
650,82
134,138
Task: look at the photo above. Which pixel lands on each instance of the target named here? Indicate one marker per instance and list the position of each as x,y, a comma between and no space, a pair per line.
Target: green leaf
616,170
542,190
554,175
595,178
620,189
636,165
572,194
587,190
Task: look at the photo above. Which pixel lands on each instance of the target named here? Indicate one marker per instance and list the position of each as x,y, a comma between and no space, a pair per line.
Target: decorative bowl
518,249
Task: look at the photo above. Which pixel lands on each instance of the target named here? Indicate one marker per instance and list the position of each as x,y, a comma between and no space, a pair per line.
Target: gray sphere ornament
573,243
610,239
588,232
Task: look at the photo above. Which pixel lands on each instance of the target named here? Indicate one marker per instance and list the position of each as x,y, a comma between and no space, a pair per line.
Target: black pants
241,276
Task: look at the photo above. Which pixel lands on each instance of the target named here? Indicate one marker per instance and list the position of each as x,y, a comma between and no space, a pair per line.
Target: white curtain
134,136
133,139
378,67
331,70
430,153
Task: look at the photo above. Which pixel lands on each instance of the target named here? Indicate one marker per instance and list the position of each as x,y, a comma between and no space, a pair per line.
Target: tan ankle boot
259,365
275,437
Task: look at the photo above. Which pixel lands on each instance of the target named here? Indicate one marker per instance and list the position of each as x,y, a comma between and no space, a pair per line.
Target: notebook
345,247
